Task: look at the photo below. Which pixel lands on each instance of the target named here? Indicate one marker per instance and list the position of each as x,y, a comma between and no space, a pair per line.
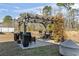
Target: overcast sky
16,8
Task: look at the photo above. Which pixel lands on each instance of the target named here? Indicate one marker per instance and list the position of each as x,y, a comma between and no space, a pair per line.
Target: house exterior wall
6,29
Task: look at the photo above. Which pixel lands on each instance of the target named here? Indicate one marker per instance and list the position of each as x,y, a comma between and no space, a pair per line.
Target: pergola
58,22
25,37
33,18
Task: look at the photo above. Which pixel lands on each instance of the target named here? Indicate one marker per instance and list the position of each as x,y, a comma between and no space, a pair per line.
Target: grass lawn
11,49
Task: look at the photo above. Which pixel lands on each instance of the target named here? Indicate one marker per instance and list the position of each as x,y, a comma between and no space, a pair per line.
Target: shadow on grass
11,49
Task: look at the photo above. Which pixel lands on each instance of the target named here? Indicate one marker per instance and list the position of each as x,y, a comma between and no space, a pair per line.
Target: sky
14,9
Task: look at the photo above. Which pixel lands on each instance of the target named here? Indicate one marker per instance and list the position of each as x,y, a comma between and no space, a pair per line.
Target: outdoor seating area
24,35
24,38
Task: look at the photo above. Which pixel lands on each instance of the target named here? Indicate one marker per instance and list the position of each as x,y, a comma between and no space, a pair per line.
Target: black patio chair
16,36
27,38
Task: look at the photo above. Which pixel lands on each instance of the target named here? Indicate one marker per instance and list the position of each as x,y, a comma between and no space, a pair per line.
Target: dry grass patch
4,37
73,35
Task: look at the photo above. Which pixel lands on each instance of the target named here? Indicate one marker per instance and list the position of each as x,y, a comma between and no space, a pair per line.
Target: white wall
6,29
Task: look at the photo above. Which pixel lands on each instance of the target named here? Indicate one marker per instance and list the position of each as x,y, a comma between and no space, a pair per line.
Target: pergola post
24,21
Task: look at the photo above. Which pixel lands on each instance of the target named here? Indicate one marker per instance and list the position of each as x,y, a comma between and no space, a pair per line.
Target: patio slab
38,43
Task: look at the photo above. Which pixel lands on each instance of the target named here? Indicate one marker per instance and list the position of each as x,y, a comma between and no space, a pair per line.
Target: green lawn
10,49
42,51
